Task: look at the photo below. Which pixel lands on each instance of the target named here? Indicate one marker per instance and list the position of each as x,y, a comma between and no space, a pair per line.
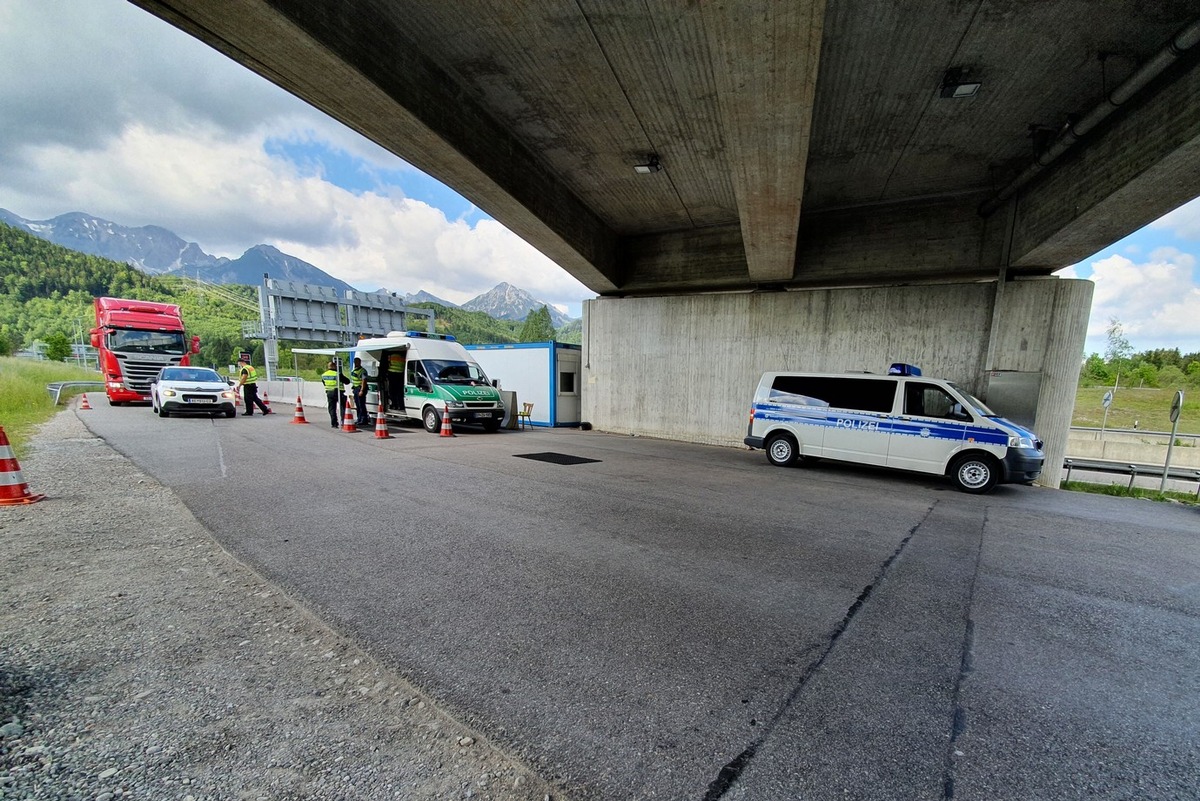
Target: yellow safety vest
251,374
330,379
357,376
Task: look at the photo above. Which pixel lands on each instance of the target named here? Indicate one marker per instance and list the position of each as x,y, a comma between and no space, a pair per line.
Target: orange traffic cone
348,423
237,397
13,489
447,429
381,429
299,416
266,402
83,404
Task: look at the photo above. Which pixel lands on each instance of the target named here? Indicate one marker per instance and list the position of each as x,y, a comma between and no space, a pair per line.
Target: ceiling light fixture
954,85
652,164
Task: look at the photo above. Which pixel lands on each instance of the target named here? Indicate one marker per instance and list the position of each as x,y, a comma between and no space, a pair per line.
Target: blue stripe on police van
820,418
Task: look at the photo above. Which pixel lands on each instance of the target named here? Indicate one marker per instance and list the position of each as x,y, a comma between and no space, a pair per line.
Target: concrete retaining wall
685,368
1138,448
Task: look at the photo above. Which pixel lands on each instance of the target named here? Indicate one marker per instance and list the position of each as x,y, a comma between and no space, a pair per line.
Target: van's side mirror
423,384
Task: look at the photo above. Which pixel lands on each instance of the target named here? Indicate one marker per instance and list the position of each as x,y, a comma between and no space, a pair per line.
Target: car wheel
491,426
432,420
782,450
975,473
163,413
231,413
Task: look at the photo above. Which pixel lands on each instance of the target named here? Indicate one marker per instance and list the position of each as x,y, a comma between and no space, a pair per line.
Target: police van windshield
979,406
448,371
122,339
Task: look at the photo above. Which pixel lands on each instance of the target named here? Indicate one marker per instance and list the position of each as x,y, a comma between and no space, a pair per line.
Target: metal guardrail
1142,432
57,387
1133,470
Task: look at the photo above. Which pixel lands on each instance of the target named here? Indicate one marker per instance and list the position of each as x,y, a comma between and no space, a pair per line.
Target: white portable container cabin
546,374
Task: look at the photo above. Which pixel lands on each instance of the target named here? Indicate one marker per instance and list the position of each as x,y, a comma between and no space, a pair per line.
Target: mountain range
158,251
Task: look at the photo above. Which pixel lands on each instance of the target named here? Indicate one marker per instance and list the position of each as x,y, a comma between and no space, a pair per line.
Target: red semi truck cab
135,339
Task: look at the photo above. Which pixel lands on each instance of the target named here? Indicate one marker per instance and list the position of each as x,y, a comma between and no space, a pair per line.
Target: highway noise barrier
13,489
447,429
381,429
83,404
348,418
299,416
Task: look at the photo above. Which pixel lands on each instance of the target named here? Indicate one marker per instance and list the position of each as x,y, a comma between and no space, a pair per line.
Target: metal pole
1170,445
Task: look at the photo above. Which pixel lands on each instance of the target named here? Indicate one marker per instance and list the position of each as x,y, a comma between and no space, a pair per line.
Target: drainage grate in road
555,458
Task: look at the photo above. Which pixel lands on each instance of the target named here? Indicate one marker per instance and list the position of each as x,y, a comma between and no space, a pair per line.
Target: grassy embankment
1151,408
24,401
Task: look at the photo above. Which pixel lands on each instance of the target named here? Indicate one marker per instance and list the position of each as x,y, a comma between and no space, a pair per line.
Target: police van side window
860,394
928,400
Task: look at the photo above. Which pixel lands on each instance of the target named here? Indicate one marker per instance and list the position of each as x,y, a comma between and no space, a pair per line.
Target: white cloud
1156,301
1184,221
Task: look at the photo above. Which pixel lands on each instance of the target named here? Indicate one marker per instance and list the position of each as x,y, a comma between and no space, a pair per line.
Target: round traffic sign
1176,405
1107,399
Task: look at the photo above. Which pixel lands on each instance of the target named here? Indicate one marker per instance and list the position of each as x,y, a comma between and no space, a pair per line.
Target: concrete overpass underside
719,172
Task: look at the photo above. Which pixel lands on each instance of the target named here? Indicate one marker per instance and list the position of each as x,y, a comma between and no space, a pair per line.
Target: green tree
1171,377
1095,372
1143,375
1118,351
58,347
1193,373
538,327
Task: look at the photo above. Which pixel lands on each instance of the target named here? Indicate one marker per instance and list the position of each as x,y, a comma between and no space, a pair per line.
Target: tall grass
24,401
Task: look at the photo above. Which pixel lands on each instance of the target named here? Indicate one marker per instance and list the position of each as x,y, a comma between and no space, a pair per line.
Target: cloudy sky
107,110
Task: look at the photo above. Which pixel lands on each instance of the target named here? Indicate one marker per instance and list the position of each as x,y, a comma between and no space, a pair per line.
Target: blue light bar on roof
424,335
899,368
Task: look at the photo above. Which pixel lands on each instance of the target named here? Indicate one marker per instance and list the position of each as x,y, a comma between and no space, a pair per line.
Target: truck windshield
445,371
122,339
979,406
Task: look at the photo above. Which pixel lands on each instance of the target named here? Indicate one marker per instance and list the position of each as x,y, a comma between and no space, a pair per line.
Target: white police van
900,420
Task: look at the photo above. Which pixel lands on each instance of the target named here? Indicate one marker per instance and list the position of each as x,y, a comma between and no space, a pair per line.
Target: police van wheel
975,473
432,420
781,450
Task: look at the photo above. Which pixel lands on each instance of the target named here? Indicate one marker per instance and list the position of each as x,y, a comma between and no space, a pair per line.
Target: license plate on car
200,400
483,414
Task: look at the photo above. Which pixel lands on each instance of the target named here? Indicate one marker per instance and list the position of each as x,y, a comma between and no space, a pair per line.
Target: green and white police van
420,376
900,420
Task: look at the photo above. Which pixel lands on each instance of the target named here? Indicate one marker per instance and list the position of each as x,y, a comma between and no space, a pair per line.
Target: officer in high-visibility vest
333,381
249,386
358,386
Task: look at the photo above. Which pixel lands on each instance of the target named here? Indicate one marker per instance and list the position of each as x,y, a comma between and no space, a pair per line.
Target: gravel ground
140,660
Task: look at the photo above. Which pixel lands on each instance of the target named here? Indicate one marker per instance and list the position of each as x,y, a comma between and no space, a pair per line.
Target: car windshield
197,374
979,406
446,371
147,341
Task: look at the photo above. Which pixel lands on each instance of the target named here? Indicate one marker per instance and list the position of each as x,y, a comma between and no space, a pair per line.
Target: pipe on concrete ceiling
1168,55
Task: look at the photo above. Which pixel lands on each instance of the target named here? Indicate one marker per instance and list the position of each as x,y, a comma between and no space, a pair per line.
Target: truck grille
137,373
480,405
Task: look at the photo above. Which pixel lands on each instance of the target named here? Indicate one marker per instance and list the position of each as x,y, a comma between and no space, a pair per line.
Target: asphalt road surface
673,621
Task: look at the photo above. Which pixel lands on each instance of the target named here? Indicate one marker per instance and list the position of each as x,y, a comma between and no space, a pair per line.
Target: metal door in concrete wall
1014,394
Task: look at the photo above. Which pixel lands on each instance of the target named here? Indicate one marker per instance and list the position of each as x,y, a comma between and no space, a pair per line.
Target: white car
191,390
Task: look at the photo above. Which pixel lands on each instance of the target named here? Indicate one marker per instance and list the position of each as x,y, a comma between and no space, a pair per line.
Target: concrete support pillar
1041,327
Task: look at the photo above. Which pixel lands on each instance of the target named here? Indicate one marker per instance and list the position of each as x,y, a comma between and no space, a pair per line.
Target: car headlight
168,393
227,394
1020,442
457,405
